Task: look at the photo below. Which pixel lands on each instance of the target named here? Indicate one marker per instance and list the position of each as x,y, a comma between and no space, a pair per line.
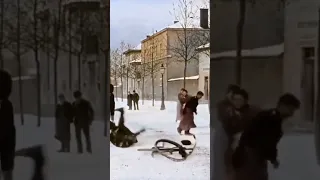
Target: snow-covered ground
125,164
296,151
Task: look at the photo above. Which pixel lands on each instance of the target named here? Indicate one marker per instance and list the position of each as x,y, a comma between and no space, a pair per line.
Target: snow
181,78
125,164
204,46
296,151
274,50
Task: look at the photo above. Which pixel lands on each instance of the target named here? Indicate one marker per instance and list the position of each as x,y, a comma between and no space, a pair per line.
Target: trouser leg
86,131
78,130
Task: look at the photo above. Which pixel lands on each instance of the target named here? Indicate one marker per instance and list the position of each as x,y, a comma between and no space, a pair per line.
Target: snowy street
297,156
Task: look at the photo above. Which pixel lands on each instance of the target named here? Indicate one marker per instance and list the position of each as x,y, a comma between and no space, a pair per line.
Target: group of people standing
133,98
81,114
186,108
246,136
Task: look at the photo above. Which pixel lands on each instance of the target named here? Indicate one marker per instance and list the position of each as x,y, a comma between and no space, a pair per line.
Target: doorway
206,87
307,85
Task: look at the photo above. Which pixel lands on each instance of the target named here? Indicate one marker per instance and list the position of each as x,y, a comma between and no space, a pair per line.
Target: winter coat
83,113
64,117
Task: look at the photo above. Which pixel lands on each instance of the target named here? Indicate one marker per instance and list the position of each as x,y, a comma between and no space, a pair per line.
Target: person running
7,128
189,109
258,142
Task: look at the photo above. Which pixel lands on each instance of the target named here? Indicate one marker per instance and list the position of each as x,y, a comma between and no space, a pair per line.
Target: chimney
204,18
175,22
148,36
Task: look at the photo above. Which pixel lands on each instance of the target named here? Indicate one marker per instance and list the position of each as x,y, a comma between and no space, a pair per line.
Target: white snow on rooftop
187,78
274,50
138,47
178,25
138,60
204,46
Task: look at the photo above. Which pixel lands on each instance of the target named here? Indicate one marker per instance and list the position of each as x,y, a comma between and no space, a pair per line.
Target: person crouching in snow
187,120
120,135
7,128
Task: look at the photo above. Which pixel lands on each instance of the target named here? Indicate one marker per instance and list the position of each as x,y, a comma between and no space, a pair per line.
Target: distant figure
182,96
135,98
129,99
7,128
63,117
83,117
190,107
112,102
258,142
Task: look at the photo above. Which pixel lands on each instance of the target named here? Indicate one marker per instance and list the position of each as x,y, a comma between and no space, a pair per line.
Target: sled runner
120,135
184,148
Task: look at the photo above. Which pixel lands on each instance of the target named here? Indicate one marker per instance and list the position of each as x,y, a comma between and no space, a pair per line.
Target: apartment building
160,48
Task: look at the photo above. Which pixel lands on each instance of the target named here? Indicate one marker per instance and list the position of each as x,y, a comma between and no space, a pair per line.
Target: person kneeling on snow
120,135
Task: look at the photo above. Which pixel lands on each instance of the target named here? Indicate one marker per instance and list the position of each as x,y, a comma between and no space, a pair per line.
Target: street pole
162,94
317,119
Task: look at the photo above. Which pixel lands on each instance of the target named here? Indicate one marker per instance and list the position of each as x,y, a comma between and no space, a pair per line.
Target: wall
175,86
301,28
204,70
262,78
263,24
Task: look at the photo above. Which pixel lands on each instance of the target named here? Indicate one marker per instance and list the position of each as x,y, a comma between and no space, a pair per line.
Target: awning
187,78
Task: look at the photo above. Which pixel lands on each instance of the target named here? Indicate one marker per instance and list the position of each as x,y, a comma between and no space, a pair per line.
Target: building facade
161,48
204,70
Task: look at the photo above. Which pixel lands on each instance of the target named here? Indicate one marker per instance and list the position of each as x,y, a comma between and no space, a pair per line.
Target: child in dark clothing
7,128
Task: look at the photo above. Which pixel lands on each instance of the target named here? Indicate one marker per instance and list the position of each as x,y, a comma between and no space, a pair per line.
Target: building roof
174,26
204,47
187,78
275,50
135,49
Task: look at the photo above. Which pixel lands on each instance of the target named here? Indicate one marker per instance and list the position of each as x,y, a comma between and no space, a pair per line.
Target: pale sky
132,20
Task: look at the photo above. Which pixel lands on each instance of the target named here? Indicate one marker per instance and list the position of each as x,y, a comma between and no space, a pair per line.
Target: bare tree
33,41
187,38
14,34
115,67
123,47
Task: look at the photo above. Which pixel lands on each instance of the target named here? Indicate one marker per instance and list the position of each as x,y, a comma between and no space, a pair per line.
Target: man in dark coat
64,117
135,98
7,128
129,99
258,142
112,102
83,117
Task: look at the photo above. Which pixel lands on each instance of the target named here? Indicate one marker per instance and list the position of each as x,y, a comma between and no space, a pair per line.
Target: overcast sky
132,20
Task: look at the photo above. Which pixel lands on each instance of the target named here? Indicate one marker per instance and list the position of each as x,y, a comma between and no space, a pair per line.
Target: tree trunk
240,26
115,83
121,79
38,91
36,57
70,51
185,73
19,64
79,72
1,33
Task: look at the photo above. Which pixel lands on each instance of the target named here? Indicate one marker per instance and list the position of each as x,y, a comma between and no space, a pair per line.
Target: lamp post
162,69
